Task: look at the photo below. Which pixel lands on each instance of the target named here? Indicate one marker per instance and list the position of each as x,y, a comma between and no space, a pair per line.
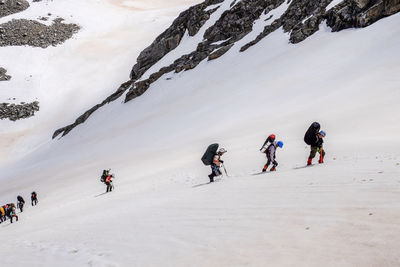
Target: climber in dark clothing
21,203
11,212
313,138
34,199
109,182
317,147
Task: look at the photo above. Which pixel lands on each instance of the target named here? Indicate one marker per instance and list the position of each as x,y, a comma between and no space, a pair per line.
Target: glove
221,161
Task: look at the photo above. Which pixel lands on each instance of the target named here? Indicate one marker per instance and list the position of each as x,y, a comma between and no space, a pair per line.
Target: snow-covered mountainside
343,74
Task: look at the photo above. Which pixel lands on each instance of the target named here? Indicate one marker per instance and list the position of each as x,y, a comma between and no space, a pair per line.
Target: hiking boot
211,178
263,170
321,160
272,169
309,162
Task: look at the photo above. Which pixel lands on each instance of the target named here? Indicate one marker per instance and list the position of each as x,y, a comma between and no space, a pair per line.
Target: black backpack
208,156
311,135
103,176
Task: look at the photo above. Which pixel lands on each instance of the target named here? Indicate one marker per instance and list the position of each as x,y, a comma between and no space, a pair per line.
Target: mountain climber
317,147
108,181
270,151
21,203
34,199
104,175
311,139
2,214
270,139
216,164
11,213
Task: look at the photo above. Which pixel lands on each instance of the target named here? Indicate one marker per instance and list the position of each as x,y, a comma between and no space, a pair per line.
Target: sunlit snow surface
162,212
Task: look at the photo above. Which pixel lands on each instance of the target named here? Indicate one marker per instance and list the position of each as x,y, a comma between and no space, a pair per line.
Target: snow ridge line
301,20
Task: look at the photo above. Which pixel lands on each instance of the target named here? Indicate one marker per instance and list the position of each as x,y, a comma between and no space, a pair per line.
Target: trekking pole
223,166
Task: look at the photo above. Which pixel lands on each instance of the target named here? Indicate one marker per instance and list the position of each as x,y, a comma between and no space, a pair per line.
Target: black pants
21,206
271,161
34,201
214,172
11,217
109,186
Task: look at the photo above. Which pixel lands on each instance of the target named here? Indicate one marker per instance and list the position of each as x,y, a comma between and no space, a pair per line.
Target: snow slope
162,213
91,65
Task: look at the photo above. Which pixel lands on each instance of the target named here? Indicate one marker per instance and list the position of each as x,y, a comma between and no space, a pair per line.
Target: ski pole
223,166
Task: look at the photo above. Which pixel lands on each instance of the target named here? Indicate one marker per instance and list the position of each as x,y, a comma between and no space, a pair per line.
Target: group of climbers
313,138
212,156
10,210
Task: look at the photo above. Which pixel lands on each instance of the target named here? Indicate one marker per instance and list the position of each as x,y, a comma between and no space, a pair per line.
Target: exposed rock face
301,19
3,76
8,7
360,13
15,112
32,33
191,20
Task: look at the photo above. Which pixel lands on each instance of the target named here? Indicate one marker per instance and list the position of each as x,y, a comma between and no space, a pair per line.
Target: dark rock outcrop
86,115
32,33
16,112
301,19
190,20
8,7
232,26
3,76
360,13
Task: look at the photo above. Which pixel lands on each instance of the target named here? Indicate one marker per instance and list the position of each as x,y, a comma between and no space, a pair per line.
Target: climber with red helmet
270,139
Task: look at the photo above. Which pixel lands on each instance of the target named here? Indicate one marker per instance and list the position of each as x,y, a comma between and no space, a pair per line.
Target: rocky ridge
301,19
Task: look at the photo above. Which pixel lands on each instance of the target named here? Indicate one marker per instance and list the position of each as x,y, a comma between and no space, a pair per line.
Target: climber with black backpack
104,175
313,138
213,158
